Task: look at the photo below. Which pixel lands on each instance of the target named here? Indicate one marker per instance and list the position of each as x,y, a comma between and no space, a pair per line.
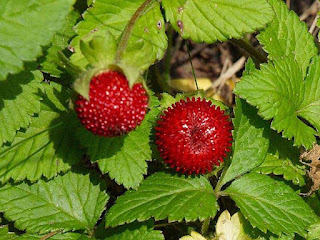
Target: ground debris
312,159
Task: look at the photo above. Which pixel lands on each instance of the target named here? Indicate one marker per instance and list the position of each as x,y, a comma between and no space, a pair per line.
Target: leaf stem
254,53
167,62
193,72
128,30
205,226
162,84
219,185
215,171
49,235
165,224
220,194
67,65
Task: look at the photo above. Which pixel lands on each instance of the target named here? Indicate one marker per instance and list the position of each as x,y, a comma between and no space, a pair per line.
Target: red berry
114,109
193,135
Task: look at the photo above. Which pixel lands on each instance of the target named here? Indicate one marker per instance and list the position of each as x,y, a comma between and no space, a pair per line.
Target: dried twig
315,32
314,24
237,66
226,65
313,9
194,52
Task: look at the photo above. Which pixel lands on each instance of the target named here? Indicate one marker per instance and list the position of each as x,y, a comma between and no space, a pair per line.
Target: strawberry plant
97,143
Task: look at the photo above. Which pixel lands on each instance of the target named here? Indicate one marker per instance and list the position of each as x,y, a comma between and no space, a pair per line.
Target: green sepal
67,65
132,74
82,84
100,50
168,100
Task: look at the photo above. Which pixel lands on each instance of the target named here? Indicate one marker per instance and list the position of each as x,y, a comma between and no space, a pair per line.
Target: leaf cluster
59,181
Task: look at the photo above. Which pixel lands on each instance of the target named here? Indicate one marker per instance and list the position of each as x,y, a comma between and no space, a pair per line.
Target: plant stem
221,194
162,84
256,55
205,226
165,224
219,185
193,72
128,30
215,171
167,63
49,235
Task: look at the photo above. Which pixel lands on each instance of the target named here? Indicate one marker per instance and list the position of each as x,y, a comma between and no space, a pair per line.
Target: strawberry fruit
113,109
193,135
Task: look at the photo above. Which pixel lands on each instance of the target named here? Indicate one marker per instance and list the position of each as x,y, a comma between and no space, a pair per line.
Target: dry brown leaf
313,161
188,84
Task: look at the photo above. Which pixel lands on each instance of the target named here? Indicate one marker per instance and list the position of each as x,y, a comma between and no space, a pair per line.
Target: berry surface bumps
114,109
193,135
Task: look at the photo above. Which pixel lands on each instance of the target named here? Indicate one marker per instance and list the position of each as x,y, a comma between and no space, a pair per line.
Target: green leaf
6,235
318,24
60,42
25,28
167,100
314,231
217,20
314,202
310,107
133,231
249,67
47,147
18,102
69,202
55,98
256,233
287,25
281,94
283,159
251,141
164,195
278,166
124,157
146,43
271,205
68,236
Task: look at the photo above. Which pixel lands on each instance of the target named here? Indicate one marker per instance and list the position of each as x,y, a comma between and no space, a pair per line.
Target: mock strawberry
113,109
193,135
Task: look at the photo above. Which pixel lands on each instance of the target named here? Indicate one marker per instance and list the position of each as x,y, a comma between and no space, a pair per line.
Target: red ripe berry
114,109
193,135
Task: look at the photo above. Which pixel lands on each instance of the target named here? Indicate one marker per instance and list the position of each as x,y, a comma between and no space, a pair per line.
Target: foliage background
58,181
